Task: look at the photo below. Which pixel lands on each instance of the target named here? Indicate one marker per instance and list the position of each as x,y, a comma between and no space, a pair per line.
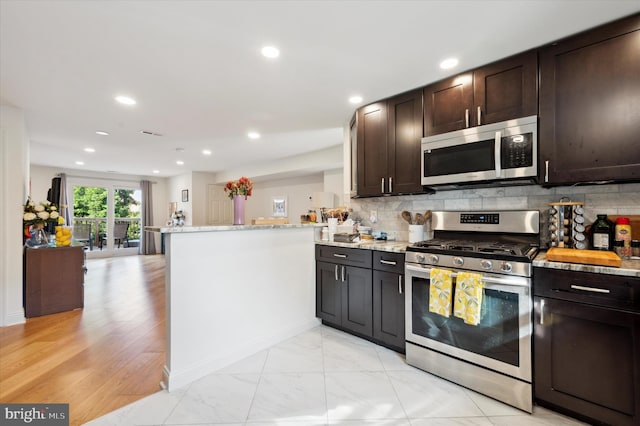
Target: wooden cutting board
587,257
270,221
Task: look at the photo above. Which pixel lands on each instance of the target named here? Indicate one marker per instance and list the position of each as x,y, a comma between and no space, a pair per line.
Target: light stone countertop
218,228
388,246
630,268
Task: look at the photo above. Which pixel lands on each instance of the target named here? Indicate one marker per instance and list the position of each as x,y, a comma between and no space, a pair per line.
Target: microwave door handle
497,152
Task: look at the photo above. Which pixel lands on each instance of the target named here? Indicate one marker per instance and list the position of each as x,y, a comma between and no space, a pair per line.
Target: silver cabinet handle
479,116
497,152
546,171
399,284
343,256
388,262
343,268
382,186
390,184
542,312
591,289
466,117
336,273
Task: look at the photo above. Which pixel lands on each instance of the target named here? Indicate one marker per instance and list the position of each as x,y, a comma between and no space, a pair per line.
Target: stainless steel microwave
492,152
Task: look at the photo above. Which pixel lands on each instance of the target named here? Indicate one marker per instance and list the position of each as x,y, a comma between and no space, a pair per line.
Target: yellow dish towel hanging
468,297
440,292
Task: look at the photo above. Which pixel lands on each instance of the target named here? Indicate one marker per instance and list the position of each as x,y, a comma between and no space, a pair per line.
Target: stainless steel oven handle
508,280
497,152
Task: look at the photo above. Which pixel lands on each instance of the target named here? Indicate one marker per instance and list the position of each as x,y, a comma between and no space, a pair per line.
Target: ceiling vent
150,133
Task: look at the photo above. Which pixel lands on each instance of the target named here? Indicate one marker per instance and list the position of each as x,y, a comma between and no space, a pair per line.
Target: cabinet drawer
344,256
388,262
596,289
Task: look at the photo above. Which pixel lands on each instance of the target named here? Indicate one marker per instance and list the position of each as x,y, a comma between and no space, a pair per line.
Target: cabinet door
403,140
357,296
587,360
328,293
589,106
372,149
448,105
388,309
506,89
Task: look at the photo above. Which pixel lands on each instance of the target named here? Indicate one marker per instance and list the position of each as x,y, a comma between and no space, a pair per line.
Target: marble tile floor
325,377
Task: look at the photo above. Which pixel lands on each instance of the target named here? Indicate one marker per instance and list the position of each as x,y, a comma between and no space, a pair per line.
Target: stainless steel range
494,356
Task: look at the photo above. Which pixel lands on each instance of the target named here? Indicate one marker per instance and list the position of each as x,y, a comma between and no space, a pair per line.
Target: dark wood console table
53,280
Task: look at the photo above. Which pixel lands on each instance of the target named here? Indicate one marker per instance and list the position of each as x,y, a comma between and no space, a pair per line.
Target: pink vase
238,209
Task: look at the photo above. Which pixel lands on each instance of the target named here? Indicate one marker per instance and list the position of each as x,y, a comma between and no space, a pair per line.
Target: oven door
500,342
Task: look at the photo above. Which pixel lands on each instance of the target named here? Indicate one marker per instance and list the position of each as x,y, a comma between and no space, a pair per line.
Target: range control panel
488,218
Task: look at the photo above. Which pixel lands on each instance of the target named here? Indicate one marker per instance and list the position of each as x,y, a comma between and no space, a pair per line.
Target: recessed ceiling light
179,162
270,52
206,152
102,133
89,150
80,163
253,135
125,100
448,63
156,171
355,99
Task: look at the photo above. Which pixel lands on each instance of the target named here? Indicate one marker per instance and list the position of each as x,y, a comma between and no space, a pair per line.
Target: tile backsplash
611,199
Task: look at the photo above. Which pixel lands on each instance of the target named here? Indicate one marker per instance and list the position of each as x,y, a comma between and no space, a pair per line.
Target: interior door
218,206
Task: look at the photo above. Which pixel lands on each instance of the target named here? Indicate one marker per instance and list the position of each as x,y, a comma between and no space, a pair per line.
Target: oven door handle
507,280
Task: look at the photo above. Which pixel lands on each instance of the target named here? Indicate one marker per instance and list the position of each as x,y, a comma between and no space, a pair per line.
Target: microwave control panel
517,151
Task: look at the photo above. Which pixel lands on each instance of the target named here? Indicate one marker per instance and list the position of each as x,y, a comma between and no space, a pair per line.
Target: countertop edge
629,268
218,228
388,246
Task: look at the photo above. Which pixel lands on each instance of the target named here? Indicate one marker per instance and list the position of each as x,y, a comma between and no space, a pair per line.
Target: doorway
109,216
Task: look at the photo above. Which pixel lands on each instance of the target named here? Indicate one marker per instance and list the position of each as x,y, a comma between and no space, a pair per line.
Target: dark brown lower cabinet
388,300
344,297
53,280
587,354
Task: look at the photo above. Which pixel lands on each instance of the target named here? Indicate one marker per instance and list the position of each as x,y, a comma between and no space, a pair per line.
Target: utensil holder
416,233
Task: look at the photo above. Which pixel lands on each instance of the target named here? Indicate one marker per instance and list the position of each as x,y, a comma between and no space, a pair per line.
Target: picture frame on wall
185,195
279,206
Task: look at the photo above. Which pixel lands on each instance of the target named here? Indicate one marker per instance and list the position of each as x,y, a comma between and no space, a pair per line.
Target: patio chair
82,234
119,234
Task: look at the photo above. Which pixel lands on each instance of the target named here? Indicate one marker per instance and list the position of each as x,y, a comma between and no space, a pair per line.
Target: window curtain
148,245
63,202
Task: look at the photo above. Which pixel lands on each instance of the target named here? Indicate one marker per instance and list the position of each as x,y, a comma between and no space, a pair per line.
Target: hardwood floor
97,359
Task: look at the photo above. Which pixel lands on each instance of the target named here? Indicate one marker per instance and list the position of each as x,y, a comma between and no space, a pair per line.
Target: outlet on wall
373,217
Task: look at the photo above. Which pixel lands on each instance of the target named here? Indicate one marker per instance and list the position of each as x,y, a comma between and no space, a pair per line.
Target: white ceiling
196,71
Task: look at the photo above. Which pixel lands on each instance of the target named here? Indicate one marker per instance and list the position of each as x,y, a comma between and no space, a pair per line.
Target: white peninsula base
233,291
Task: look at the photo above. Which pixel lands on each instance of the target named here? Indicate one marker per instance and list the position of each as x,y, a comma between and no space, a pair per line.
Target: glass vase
238,209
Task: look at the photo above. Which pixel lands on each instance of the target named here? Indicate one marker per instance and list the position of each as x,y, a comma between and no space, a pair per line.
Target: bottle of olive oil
602,232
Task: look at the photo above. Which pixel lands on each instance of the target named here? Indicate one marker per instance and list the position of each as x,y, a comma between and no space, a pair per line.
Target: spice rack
566,225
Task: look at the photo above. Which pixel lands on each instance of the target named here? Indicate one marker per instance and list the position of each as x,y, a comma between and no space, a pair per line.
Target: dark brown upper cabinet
496,92
590,106
388,146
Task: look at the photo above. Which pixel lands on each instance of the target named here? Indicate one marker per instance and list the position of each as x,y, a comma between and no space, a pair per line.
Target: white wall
298,191
14,157
175,186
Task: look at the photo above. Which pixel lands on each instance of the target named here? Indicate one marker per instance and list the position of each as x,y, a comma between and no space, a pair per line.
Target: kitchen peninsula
232,291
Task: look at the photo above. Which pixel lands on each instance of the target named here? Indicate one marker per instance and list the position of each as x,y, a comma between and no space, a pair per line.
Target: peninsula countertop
218,228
